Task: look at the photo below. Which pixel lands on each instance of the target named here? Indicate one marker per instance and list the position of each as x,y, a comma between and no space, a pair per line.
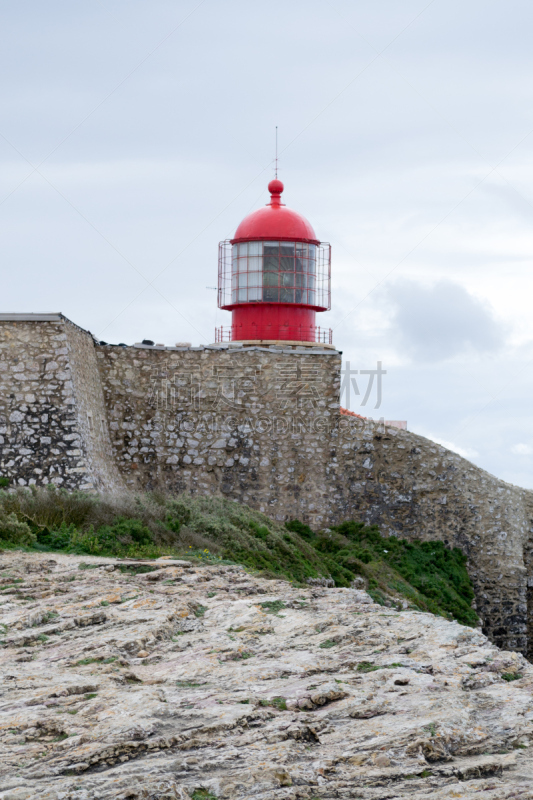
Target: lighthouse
274,276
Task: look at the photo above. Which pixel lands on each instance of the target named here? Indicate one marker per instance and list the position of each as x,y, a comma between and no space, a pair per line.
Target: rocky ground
205,682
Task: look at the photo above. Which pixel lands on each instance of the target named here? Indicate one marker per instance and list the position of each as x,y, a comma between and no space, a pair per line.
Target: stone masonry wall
414,488
262,426
250,423
48,381
91,415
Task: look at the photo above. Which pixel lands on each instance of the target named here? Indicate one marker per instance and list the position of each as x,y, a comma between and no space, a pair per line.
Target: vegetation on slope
426,575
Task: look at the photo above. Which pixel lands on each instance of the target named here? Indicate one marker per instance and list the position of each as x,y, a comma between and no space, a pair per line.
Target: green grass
511,676
47,617
273,606
13,585
213,530
328,643
429,575
276,702
367,666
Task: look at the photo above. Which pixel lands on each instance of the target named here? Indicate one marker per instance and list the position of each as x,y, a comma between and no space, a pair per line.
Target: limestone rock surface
203,681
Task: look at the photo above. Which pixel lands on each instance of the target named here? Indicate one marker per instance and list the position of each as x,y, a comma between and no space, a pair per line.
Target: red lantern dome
274,275
275,221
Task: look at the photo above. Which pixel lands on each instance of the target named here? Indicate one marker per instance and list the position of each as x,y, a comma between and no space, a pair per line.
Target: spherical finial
275,187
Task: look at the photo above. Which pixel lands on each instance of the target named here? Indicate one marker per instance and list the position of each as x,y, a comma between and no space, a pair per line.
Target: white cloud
521,449
464,452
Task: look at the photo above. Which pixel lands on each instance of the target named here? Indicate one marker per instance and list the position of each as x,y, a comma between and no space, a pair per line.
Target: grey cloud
433,323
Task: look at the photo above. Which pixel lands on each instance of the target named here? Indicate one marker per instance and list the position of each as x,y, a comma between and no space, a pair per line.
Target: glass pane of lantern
301,280
287,295
271,295
254,279
243,279
270,278
300,296
255,248
312,258
286,257
271,256
311,281
254,263
287,279
243,249
311,298
234,296
254,294
300,264
270,263
242,295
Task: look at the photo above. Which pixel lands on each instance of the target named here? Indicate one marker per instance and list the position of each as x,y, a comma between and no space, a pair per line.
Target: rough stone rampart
260,425
53,426
252,423
414,488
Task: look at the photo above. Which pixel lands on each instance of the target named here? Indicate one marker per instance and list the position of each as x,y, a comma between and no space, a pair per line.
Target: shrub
124,536
15,532
430,576
301,529
435,577
59,539
45,510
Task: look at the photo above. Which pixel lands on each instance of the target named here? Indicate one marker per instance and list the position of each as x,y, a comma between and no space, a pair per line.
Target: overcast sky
136,135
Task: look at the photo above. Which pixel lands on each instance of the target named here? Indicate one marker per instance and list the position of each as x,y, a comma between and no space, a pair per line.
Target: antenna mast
276,152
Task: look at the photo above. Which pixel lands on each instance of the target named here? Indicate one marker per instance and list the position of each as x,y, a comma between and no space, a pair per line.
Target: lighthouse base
273,322
224,335
322,337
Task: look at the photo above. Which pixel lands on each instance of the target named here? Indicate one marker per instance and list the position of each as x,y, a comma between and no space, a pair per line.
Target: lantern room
274,276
